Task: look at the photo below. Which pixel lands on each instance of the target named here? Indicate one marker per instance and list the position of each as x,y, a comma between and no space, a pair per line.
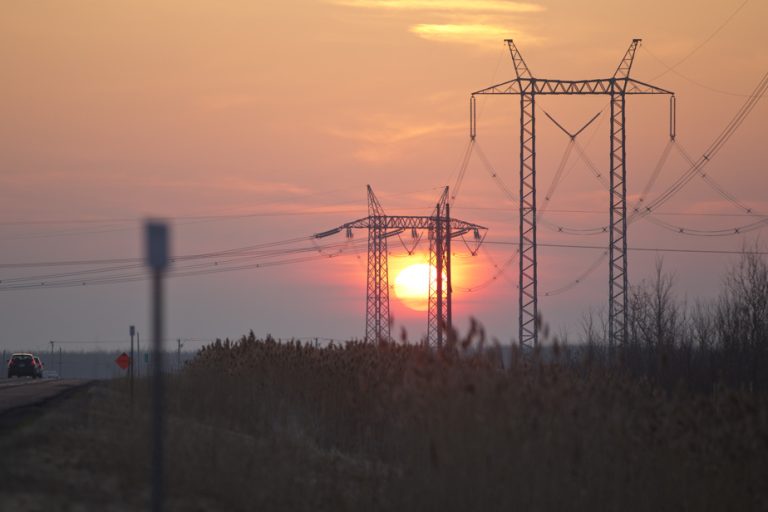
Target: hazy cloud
237,183
394,134
385,142
445,5
459,21
476,33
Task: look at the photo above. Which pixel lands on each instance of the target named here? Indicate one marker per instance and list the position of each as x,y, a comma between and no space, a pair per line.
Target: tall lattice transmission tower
528,88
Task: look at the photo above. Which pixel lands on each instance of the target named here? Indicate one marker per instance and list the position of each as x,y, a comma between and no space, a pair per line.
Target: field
676,418
261,425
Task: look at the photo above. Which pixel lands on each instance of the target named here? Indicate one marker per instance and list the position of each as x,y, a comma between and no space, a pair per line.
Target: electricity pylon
439,307
528,88
441,229
377,299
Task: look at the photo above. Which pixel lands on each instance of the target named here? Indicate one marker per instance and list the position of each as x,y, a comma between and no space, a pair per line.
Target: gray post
131,331
60,372
138,352
157,261
178,355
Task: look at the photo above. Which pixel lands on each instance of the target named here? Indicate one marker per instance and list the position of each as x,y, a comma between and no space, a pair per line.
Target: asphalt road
17,394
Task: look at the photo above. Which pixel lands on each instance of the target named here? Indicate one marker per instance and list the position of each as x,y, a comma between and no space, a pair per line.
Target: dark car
25,365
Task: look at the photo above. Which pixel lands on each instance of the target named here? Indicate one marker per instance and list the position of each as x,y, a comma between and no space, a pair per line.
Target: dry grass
259,425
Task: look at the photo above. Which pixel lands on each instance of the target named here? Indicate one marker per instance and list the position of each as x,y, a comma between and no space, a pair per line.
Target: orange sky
117,110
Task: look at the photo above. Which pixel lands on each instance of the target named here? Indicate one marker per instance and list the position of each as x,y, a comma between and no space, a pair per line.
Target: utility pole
60,370
138,352
51,350
528,88
178,354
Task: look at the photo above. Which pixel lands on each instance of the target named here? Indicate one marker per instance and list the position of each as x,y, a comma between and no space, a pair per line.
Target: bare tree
742,317
594,327
654,322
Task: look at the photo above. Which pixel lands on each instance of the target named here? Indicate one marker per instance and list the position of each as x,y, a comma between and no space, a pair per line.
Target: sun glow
412,285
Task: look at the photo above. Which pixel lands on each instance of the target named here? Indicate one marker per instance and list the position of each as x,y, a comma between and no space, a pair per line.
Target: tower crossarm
459,232
637,87
521,68
622,72
402,222
600,86
374,206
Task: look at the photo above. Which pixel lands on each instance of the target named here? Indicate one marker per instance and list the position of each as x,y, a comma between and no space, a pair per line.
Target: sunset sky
248,122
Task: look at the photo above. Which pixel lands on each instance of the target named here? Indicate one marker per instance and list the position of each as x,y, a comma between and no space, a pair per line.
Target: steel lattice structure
377,299
528,87
439,261
441,229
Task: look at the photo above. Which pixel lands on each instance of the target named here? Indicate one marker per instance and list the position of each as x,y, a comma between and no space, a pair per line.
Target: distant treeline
672,342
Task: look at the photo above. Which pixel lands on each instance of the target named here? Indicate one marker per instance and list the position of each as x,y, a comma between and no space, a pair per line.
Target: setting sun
412,285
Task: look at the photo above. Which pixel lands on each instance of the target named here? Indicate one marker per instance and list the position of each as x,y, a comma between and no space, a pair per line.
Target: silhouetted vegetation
678,420
700,346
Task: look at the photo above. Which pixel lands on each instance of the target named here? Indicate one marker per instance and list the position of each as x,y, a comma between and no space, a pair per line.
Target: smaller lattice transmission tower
441,228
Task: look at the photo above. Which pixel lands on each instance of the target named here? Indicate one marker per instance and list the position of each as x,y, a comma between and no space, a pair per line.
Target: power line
185,220
712,150
602,212
730,231
695,49
139,261
123,341
115,220
644,212
501,269
134,273
638,249
580,279
320,209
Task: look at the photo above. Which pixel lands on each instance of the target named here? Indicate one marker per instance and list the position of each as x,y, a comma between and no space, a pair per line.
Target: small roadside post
138,355
132,332
157,261
178,355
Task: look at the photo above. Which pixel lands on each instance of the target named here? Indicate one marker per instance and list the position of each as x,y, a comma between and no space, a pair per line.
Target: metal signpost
157,261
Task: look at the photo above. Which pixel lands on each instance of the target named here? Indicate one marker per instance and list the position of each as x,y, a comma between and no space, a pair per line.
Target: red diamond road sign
123,361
